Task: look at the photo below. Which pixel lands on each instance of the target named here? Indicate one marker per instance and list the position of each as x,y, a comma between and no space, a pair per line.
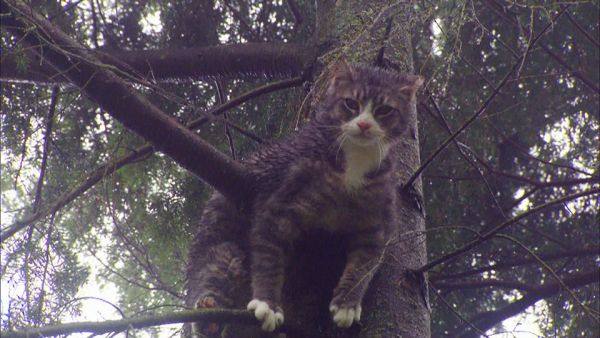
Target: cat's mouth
363,139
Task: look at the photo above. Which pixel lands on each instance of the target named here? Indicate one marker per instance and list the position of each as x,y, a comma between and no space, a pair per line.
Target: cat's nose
363,125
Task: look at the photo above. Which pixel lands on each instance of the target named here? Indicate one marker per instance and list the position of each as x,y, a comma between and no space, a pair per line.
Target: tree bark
225,61
361,31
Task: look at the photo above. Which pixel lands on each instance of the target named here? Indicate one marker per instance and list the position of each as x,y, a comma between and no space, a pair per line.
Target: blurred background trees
536,141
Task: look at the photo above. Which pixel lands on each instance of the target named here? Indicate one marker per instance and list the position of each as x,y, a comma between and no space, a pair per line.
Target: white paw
344,317
270,319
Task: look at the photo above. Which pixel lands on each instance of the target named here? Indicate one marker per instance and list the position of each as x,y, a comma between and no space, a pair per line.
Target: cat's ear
341,70
412,84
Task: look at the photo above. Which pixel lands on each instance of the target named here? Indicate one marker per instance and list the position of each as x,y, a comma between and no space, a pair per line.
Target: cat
334,175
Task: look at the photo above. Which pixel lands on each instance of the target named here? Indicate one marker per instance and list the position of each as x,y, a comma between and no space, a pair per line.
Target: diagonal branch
485,283
456,313
122,102
499,10
487,320
583,30
474,117
254,36
46,148
492,232
467,123
140,154
298,18
580,253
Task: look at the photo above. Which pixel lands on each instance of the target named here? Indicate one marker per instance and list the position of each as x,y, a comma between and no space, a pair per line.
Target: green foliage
133,228
545,115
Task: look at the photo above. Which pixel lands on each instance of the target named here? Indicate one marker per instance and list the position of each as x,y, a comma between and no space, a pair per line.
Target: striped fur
334,175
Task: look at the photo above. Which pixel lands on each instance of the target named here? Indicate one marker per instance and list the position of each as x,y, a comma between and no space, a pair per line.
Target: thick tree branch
298,18
250,60
120,100
140,154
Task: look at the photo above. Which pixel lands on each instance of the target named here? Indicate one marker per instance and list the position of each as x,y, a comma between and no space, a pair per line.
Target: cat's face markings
362,128
370,105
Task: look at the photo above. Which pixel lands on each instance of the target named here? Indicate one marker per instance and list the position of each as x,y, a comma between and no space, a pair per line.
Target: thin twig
465,156
582,30
500,12
46,149
456,313
472,119
243,131
559,281
592,251
491,233
221,100
483,107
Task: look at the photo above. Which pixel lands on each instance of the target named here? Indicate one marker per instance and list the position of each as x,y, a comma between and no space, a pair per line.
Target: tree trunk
361,31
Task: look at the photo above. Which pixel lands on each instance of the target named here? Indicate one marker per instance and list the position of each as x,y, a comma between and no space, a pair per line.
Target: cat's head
371,105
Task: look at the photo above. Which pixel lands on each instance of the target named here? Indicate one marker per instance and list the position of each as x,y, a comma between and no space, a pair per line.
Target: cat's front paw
271,319
344,316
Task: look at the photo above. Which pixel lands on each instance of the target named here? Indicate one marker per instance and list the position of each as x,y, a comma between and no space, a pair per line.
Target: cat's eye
351,104
383,110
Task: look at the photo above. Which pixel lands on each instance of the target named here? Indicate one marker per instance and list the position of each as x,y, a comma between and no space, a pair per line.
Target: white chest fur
361,160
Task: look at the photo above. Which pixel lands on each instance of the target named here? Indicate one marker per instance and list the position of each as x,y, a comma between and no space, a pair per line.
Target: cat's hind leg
218,283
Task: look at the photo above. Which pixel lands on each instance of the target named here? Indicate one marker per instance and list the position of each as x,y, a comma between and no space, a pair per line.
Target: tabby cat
335,175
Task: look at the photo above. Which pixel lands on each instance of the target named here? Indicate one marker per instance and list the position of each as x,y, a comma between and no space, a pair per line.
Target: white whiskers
341,139
380,148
